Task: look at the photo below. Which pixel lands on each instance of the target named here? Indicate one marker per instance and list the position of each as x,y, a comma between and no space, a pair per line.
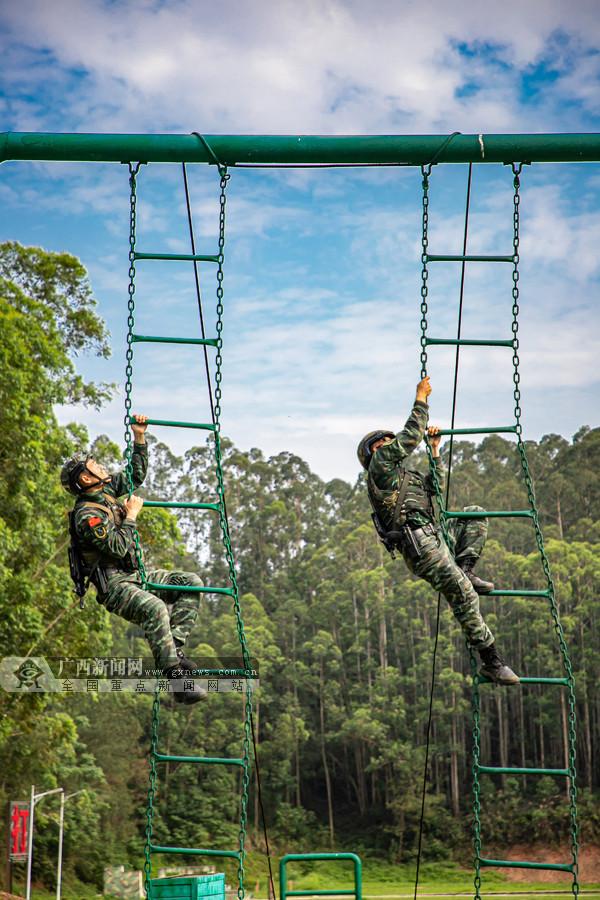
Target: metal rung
328,893
172,424
167,504
460,342
522,864
483,679
157,339
445,258
191,257
169,757
520,770
499,429
514,513
189,588
518,594
194,851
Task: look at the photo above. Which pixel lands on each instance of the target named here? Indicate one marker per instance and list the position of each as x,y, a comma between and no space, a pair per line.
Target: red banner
19,829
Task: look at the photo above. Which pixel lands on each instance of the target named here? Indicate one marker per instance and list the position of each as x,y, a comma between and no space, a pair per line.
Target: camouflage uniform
437,563
106,536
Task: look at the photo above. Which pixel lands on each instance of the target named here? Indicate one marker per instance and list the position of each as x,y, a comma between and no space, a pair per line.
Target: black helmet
364,448
70,472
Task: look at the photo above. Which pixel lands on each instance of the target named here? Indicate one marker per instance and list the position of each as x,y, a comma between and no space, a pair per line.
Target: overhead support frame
232,150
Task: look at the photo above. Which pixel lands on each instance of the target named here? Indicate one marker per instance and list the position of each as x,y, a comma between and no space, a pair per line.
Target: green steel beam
172,424
178,257
454,342
499,429
195,851
483,679
168,504
412,150
189,588
490,514
209,760
159,339
521,770
516,593
523,864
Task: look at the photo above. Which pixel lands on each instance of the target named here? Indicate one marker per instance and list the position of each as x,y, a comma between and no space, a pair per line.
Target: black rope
217,162
442,147
212,409
272,893
439,596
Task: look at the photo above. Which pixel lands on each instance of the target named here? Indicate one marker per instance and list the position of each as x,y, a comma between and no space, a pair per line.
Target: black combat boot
481,586
495,668
185,688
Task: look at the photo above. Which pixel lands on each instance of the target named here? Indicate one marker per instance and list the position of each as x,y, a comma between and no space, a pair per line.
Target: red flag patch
95,520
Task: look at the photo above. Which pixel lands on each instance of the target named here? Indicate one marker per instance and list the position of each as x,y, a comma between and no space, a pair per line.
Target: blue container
189,887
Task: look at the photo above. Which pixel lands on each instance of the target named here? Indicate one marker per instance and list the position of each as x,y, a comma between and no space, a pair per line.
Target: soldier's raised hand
139,426
133,505
423,389
434,439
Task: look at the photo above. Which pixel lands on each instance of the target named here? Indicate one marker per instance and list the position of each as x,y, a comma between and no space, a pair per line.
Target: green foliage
343,634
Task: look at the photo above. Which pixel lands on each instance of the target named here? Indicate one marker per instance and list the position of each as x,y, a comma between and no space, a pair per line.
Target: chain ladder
226,537
558,629
151,793
426,172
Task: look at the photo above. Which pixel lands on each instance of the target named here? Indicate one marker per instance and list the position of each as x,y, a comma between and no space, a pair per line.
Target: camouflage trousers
438,566
164,616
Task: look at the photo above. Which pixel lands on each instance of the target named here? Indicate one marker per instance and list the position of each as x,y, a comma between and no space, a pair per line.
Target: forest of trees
342,633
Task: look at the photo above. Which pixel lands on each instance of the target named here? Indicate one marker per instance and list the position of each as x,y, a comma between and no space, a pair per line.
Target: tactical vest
388,500
93,557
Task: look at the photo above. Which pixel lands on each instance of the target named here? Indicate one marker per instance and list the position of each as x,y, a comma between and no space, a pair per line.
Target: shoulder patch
94,520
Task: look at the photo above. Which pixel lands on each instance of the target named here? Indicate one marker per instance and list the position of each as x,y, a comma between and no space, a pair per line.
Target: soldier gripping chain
103,551
405,520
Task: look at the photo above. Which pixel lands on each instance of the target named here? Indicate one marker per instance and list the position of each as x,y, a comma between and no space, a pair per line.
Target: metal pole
30,843
63,799
34,799
231,150
61,820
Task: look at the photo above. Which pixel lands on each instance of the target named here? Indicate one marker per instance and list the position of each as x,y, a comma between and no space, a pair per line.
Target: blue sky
323,275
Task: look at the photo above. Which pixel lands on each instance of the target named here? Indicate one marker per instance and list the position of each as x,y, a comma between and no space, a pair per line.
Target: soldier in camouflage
105,534
410,526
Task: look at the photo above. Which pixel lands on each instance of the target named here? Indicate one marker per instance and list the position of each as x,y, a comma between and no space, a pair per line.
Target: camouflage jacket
104,532
387,468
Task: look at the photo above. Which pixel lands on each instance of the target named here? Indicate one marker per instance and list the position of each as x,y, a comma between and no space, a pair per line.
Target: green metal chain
226,537
151,794
572,719
426,172
133,171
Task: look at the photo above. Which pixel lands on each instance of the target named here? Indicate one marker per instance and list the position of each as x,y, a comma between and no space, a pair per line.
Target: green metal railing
356,891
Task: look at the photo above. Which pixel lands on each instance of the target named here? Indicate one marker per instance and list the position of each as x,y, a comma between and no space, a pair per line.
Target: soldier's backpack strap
81,574
392,537
105,507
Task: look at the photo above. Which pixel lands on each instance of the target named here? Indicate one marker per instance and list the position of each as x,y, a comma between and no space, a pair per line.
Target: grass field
381,881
